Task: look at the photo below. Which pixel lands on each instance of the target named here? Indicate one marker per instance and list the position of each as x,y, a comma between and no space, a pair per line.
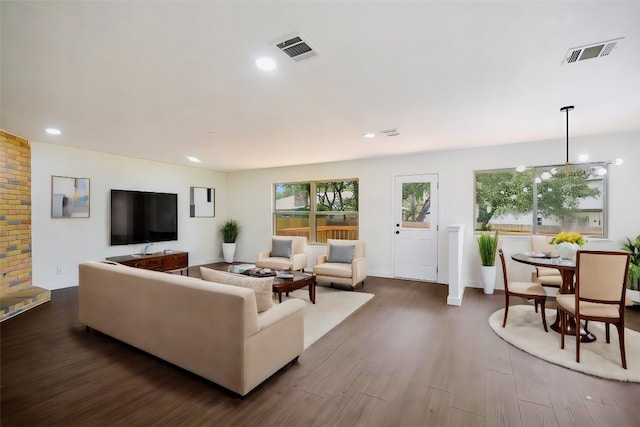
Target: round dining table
567,270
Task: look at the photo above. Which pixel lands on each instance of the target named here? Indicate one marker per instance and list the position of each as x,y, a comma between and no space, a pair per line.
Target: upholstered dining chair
600,289
287,253
545,276
528,290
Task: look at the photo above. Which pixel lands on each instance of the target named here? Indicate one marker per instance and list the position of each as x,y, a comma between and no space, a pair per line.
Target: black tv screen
142,217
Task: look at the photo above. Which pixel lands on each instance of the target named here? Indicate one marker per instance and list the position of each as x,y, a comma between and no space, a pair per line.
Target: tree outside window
542,200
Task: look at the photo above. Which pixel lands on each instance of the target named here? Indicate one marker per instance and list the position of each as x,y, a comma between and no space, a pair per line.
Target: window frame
313,212
534,191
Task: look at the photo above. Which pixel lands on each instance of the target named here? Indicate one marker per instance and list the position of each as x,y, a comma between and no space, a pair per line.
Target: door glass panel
416,205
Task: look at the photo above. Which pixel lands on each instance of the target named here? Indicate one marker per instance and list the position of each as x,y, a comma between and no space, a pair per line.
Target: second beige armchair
344,263
287,253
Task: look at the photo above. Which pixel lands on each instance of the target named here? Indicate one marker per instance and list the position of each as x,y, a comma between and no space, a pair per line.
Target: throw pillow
262,286
341,253
281,248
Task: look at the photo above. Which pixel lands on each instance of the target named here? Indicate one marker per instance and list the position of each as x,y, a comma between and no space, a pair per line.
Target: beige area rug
524,330
332,307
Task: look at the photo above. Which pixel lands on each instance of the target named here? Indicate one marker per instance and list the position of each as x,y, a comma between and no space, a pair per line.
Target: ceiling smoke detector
296,47
594,50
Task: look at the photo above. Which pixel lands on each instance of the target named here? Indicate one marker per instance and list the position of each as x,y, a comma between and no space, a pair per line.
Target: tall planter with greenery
633,284
230,230
488,246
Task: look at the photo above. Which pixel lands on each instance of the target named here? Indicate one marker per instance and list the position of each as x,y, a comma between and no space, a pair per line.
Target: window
333,214
543,200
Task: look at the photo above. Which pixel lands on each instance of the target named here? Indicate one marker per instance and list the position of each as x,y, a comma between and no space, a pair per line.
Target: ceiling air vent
296,47
594,50
390,132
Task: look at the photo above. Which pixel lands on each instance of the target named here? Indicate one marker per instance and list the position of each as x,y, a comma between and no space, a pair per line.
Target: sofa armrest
279,341
298,261
279,312
321,259
264,254
359,269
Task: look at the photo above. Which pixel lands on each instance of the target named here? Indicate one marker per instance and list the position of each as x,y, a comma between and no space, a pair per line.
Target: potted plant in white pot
230,230
633,284
488,246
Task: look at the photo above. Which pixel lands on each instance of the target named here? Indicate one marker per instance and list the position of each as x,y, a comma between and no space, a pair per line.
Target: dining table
567,269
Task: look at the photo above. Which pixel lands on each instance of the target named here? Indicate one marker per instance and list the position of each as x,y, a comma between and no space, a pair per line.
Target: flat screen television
143,217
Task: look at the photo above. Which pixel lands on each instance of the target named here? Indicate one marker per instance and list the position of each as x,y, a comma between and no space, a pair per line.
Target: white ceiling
163,80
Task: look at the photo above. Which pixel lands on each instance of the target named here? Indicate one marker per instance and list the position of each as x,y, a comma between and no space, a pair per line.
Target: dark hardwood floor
405,358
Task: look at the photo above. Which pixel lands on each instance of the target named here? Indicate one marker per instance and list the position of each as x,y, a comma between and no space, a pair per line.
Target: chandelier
596,168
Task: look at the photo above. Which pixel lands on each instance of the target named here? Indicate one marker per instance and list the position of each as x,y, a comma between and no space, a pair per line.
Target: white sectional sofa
210,329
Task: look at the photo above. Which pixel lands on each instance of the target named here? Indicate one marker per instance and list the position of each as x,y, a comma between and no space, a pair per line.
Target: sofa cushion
281,248
341,253
262,286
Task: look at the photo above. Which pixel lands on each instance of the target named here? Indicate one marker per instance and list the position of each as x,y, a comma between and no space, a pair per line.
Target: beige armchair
344,263
543,275
287,253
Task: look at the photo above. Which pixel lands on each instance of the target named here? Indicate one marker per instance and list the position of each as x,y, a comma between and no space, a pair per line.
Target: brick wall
15,212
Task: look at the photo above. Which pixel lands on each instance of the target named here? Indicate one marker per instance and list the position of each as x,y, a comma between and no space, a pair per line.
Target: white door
415,227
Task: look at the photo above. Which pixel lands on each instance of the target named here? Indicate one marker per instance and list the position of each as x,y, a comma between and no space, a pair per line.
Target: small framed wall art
70,197
203,202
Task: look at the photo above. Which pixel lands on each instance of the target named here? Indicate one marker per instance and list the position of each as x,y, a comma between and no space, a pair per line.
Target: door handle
397,232
397,225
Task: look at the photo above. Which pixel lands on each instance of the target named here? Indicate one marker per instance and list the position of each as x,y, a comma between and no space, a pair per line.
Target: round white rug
524,330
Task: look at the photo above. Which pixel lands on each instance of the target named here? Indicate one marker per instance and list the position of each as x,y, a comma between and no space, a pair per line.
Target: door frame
436,178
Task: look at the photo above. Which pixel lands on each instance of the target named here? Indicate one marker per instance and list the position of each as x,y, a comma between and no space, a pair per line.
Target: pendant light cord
567,109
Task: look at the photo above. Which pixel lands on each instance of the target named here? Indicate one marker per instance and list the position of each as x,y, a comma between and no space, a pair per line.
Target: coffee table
299,281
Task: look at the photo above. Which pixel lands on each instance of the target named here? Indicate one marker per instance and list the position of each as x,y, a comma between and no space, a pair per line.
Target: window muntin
334,214
543,200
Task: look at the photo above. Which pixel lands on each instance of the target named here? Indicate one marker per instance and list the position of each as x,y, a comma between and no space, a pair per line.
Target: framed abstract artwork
70,197
203,202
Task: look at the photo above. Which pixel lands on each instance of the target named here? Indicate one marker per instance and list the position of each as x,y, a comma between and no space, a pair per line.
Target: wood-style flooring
405,358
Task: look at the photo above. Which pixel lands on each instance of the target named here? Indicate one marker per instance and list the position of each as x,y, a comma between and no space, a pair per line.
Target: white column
456,243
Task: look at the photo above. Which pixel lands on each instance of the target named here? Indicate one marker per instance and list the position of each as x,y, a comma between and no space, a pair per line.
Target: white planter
228,252
567,250
633,296
488,278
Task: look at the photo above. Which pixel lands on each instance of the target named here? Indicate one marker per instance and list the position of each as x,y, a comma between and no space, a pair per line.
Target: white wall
246,196
66,242
250,196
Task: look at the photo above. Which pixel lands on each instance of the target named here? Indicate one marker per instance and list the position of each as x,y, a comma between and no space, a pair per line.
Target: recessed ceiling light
53,131
194,159
266,64
369,135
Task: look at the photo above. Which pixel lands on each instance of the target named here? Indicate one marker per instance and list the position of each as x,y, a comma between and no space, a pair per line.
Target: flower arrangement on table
569,237
567,244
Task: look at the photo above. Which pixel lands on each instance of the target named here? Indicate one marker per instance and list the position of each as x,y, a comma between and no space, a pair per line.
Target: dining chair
528,290
544,275
600,289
